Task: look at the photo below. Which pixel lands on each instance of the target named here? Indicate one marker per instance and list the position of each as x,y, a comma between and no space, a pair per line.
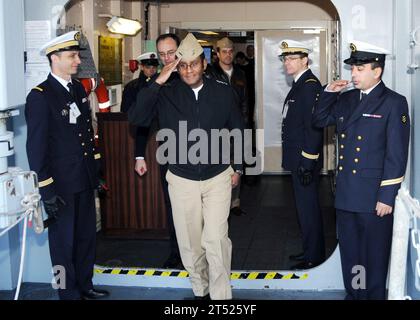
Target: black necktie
71,89
363,96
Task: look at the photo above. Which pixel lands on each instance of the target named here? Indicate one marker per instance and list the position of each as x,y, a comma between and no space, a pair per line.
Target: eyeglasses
289,58
193,65
167,54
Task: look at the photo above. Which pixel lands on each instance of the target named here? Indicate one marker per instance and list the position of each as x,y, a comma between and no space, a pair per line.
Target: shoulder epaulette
38,88
311,80
222,82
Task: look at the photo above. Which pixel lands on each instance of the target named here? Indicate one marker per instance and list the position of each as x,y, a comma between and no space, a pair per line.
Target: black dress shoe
297,257
206,297
303,266
94,294
173,262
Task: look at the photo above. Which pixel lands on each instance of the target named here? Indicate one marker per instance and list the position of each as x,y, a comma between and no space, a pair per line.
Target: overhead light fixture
311,31
308,30
209,33
122,25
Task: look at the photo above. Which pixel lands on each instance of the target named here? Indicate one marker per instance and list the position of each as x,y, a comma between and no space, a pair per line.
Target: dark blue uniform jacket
128,99
62,154
217,108
302,142
373,139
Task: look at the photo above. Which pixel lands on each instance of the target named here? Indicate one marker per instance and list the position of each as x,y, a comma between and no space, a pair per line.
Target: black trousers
310,219
365,246
72,242
172,235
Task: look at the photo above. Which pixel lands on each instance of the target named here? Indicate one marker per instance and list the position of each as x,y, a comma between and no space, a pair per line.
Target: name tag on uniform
376,116
74,113
286,108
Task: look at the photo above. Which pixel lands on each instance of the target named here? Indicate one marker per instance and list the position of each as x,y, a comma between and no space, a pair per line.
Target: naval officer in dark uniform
148,67
61,150
148,64
373,128
302,151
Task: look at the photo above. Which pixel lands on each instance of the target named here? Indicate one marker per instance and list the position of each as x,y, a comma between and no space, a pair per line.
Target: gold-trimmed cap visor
66,42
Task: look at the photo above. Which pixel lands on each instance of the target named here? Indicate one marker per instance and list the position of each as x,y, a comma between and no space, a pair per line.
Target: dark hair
49,56
305,55
377,64
172,36
49,59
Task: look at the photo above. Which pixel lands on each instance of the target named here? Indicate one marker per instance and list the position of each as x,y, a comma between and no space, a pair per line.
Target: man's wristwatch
240,172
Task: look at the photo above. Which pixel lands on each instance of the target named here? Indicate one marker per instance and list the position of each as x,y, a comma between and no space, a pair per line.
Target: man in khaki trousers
200,178
201,210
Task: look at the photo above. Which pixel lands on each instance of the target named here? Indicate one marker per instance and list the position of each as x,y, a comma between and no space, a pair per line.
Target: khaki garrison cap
189,49
224,43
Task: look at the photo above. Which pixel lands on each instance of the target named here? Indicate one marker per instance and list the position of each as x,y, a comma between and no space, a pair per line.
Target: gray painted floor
262,239
32,291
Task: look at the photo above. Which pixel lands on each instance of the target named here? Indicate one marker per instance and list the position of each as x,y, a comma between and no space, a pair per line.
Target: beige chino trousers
200,212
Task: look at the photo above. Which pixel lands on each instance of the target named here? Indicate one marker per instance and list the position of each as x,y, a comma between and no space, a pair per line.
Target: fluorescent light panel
123,26
209,33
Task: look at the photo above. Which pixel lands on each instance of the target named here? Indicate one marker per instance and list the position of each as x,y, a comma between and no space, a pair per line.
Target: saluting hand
382,209
338,85
167,71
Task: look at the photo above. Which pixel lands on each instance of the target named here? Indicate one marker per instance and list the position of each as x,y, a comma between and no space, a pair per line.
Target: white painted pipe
399,249
3,157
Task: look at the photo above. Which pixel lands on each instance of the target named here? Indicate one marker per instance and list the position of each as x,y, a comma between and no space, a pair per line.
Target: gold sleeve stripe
392,181
39,89
46,182
310,80
97,156
310,156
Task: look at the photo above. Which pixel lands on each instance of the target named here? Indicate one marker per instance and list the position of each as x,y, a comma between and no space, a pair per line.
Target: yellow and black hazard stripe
184,274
